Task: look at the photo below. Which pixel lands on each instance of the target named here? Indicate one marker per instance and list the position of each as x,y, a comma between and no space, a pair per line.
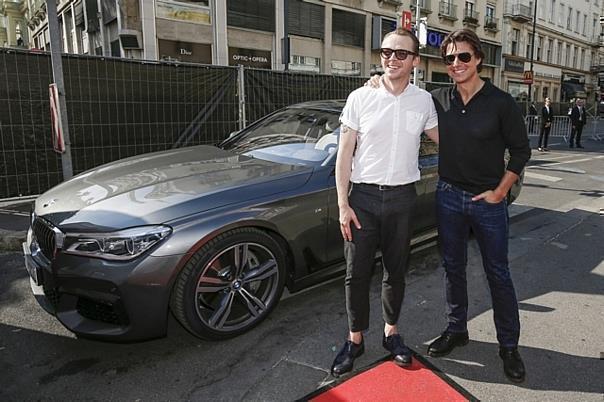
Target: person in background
577,119
547,117
376,168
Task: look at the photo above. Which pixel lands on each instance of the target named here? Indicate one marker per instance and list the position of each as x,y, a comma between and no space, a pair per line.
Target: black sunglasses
463,57
400,54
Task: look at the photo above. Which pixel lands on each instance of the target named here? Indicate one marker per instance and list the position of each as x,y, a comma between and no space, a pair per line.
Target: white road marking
559,245
538,176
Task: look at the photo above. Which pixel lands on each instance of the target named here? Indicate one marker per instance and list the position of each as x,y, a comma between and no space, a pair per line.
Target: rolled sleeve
350,113
432,116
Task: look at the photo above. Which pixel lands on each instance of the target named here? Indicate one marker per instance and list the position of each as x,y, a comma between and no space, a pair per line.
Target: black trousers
385,218
543,137
575,133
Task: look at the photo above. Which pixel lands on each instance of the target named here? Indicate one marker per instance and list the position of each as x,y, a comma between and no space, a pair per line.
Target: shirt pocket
414,122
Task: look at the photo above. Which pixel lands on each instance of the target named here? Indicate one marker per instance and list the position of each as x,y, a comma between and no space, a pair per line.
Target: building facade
565,50
13,24
331,36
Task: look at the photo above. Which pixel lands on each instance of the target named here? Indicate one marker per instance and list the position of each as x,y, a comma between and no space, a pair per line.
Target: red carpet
388,382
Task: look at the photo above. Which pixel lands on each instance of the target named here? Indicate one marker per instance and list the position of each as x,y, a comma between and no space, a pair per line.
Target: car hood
158,187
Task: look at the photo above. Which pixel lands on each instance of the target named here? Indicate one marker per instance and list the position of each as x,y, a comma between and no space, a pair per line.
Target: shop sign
249,57
434,38
514,66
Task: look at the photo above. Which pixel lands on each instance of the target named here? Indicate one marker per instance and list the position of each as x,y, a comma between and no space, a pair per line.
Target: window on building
252,14
306,19
529,49
561,15
552,12
469,7
539,42
578,21
492,54
567,58
594,31
542,6
348,28
490,12
576,57
544,93
559,54
339,67
305,63
584,32
582,66
550,49
515,39
569,17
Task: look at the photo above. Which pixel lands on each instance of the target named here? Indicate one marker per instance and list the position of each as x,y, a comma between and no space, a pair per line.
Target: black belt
383,187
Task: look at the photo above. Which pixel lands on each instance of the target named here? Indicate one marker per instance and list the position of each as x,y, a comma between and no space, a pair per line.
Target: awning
573,90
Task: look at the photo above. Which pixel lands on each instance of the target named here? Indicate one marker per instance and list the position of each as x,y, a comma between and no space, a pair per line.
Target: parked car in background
212,234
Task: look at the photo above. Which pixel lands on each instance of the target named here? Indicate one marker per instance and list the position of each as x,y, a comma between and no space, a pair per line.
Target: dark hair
463,35
407,33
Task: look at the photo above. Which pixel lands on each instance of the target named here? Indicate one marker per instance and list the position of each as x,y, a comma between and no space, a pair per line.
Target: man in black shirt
577,118
477,123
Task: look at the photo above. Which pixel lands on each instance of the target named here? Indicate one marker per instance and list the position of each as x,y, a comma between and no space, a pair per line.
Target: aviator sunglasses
400,54
463,57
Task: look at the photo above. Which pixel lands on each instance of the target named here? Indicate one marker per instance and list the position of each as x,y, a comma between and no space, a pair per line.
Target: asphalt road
556,258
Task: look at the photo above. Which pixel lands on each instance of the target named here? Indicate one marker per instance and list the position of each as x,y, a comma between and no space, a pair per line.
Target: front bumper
108,300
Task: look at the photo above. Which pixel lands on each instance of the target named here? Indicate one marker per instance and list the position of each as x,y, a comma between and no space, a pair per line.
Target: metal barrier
561,127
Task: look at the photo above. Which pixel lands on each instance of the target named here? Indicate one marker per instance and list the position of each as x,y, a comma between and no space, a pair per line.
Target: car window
294,136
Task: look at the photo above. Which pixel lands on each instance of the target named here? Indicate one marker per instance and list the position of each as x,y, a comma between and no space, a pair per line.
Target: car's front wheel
230,285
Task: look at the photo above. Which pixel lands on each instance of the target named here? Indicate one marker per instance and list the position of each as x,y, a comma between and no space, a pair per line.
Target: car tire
229,285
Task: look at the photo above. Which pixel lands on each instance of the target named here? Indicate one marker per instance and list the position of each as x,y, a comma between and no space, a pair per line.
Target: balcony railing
519,12
470,17
424,6
491,23
447,10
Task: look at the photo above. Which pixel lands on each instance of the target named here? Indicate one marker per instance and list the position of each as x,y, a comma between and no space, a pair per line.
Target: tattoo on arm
345,129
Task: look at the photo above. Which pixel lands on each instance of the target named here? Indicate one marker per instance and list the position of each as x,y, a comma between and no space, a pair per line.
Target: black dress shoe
513,367
345,358
444,344
399,351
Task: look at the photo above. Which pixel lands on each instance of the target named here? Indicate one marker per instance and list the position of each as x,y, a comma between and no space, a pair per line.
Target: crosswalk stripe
538,176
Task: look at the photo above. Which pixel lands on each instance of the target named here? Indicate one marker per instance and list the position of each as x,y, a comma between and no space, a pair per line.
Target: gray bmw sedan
211,234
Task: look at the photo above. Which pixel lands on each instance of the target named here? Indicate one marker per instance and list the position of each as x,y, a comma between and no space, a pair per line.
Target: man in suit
547,116
577,118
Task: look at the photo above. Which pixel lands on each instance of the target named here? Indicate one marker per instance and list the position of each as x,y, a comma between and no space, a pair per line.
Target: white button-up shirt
389,128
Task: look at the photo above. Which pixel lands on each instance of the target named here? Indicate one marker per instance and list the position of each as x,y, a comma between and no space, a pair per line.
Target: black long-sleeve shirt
473,137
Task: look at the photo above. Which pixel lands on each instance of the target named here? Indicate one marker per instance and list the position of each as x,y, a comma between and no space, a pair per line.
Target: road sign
527,77
406,20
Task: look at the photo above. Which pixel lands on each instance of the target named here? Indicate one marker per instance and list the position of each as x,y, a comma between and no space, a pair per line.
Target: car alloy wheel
230,285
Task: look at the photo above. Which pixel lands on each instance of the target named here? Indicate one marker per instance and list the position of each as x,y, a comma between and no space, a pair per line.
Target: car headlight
122,245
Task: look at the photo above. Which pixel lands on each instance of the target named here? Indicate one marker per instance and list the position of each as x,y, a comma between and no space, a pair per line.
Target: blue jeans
457,214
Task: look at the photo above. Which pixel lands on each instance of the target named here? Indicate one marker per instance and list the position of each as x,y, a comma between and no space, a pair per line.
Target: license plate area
35,272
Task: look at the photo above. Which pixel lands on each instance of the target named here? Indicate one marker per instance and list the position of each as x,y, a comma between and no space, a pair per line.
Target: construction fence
118,108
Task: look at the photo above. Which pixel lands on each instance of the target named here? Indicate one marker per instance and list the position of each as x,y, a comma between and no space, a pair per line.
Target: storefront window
339,67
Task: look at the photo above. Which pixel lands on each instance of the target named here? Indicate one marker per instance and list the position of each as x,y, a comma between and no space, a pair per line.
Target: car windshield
293,136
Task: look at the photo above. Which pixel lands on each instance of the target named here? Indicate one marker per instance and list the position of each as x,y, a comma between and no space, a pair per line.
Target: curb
12,240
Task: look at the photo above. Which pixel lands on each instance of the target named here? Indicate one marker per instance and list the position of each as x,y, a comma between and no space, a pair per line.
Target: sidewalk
14,222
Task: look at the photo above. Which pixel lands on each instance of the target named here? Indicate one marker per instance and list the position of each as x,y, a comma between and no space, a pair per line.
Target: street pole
57,72
416,34
530,85
285,49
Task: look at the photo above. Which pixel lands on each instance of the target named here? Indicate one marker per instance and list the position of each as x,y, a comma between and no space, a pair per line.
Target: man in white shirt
376,168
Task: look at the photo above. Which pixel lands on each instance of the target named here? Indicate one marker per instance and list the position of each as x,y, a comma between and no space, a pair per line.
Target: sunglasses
464,57
400,54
